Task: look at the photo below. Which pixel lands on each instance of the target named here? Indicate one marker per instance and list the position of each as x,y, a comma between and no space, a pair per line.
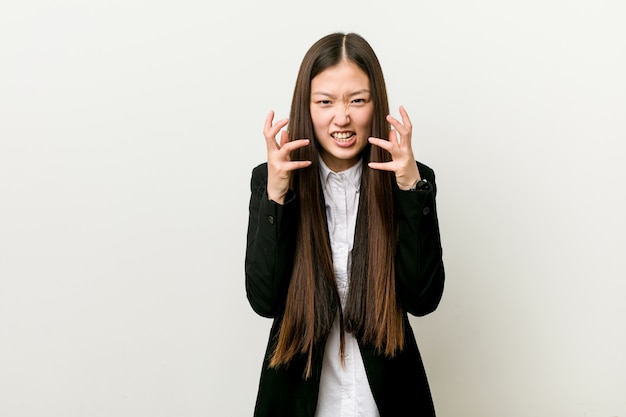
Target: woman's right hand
279,163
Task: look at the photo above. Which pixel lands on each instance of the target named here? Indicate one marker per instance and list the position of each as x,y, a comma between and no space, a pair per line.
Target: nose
342,115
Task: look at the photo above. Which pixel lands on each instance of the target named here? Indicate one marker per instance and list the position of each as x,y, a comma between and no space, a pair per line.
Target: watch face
422,185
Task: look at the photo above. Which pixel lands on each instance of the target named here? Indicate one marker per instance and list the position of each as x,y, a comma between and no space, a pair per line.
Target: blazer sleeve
269,248
419,256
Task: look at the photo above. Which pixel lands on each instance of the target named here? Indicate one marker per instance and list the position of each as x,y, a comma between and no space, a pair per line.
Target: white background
128,132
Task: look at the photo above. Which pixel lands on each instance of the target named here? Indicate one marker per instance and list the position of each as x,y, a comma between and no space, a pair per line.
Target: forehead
341,77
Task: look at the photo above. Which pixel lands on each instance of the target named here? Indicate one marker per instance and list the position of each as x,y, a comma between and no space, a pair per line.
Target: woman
343,242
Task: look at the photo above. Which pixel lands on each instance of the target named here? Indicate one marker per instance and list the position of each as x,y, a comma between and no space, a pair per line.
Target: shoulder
259,173
260,170
258,182
426,171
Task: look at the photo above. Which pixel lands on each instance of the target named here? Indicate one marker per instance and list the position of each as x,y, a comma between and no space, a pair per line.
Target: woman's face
341,110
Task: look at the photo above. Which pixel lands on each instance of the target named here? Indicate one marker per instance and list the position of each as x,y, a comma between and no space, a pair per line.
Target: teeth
342,135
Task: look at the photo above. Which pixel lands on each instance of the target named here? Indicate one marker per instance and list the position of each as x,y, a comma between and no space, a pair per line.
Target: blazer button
426,211
270,219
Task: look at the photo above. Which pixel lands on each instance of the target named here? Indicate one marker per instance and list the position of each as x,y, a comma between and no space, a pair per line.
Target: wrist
276,197
408,185
420,185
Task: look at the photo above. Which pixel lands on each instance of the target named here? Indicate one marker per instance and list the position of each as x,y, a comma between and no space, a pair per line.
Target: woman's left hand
399,146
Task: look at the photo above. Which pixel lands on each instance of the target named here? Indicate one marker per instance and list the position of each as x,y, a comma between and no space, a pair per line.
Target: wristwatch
421,185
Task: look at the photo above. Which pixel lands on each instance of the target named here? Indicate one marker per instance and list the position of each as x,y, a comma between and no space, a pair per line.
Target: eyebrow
355,93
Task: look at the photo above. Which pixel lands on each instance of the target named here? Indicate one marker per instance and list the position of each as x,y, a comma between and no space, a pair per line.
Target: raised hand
399,146
279,163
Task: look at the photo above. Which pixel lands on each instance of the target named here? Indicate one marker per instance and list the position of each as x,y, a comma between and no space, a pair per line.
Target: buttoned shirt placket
344,389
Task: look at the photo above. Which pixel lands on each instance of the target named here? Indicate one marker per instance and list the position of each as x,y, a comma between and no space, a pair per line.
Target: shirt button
426,211
270,219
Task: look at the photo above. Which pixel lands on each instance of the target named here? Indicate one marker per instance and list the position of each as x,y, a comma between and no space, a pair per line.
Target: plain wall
128,132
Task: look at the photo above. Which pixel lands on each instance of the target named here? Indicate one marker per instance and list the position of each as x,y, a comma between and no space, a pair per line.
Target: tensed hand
279,163
399,147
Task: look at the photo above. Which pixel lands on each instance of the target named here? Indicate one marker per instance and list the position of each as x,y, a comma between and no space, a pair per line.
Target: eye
323,103
358,101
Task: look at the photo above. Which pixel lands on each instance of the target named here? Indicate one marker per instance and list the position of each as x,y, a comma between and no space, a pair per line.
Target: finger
382,143
294,144
270,130
294,165
382,166
267,128
397,125
394,136
406,121
284,138
268,120
398,133
405,118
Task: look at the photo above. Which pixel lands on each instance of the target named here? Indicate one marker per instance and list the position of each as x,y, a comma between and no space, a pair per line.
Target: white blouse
344,389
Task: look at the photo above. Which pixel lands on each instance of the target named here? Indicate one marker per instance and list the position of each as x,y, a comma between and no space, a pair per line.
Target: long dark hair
372,312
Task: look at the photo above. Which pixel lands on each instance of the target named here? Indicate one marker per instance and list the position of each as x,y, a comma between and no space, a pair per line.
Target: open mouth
343,137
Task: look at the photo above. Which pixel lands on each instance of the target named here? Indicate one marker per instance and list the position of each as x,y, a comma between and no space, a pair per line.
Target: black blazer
398,384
